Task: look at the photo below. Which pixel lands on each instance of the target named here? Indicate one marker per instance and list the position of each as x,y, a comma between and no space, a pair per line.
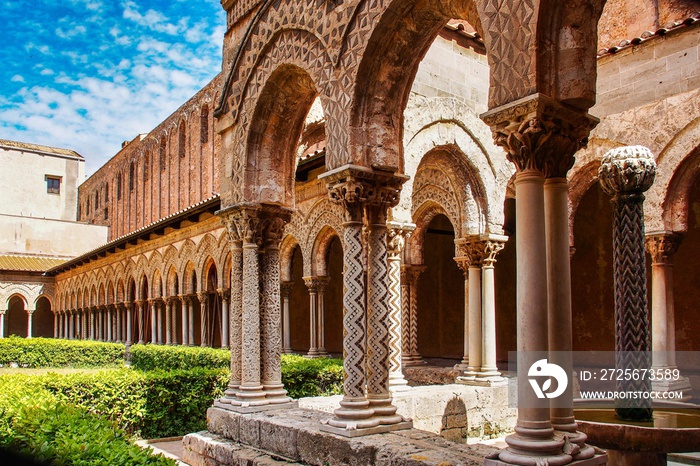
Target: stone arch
156,284
110,297
422,217
320,250
169,259
206,270
15,292
142,268
101,296
120,291
323,214
206,251
277,85
189,278
186,255
172,285
289,244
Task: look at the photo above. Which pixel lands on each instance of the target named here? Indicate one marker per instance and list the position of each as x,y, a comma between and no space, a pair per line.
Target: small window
106,213
53,184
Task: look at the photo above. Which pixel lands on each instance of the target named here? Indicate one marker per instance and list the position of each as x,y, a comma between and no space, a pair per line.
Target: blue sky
89,74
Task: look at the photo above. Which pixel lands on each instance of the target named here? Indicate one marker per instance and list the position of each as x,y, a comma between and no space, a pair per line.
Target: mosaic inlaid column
203,298
374,191
185,321
410,276
398,234
535,132
625,173
271,313
286,290
661,246
354,412
312,285
225,298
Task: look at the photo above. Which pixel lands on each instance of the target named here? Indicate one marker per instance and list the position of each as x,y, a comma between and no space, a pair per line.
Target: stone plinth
294,435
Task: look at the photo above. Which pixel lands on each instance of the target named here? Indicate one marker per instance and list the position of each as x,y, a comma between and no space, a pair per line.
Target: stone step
207,449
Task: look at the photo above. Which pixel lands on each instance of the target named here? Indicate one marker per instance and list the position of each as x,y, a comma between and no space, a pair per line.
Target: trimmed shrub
312,377
49,352
33,422
151,404
153,357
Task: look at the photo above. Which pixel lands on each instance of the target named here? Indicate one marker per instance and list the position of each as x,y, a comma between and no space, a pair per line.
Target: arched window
182,139
163,146
204,128
97,200
119,185
131,176
106,192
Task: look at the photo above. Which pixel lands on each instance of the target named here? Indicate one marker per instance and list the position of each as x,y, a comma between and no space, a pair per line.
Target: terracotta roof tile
646,35
5,143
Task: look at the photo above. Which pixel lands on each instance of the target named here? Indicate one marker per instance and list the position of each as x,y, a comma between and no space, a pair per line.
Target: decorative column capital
286,288
203,296
261,224
397,235
364,190
154,300
170,300
540,133
662,245
628,170
411,272
225,294
316,284
184,298
478,250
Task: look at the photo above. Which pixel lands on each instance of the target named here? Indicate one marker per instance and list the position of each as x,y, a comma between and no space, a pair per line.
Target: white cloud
70,33
46,72
17,79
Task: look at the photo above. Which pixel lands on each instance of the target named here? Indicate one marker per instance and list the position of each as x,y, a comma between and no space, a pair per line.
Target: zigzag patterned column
398,234
357,189
409,276
625,173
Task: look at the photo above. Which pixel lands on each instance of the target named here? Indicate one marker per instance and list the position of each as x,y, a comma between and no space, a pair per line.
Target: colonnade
152,320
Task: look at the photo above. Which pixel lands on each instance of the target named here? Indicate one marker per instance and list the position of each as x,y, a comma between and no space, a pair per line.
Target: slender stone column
203,297
488,374
398,234
190,318
158,304
153,303
463,263
55,325
2,323
271,315
470,256
120,321
323,282
169,301
92,326
185,321
410,276
286,290
69,327
129,323
229,220
661,246
354,412
225,298
625,174
30,319
360,189
141,315
312,285
536,132
101,320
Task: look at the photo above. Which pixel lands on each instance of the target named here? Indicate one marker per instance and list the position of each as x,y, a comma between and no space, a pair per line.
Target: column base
287,351
384,411
276,394
413,360
356,430
247,409
483,380
398,383
597,460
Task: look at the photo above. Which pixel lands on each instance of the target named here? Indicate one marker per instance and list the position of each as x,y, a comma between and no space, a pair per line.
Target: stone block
323,448
224,423
279,437
249,430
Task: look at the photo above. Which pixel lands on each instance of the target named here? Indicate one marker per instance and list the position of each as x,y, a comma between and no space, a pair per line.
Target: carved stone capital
286,288
627,170
540,133
397,235
410,273
225,294
261,224
203,296
316,284
364,190
661,246
171,300
478,250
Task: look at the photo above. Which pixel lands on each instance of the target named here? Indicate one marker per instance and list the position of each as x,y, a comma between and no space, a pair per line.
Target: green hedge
35,423
153,357
311,377
49,352
151,404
